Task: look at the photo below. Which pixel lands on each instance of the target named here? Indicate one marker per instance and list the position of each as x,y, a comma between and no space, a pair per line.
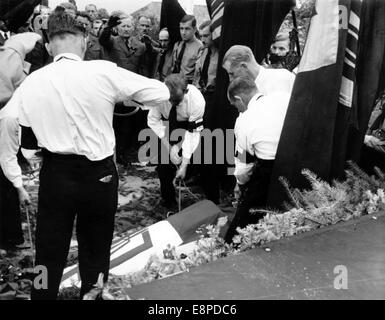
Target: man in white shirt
239,61
68,105
185,112
12,192
257,132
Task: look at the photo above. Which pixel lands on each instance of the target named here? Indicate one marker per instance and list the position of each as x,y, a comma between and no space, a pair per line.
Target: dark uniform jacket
132,56
94,49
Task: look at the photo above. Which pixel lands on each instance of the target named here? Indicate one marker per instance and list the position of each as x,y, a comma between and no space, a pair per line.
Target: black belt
70,157
254,159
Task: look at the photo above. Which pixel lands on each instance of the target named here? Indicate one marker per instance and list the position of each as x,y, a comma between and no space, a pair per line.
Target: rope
29,175
127,114
179,197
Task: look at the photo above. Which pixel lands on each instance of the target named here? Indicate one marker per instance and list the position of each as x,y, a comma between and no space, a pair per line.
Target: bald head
239,61
164,38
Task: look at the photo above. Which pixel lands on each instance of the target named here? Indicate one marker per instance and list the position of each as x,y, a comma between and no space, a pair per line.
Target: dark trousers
254,195
127,130
70,187
209,178
371,158
10,215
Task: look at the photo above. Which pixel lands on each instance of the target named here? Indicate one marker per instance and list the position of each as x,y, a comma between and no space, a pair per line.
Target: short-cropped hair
282,37
68,5
241,85
175,82
238,54
205,25
61,23
84,14
188,18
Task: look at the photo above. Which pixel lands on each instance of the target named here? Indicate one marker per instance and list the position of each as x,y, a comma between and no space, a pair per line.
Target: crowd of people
69,72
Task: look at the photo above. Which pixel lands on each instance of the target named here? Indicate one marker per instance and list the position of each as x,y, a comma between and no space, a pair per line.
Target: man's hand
24,198
146,39
181,173
174,155
373,142
113,21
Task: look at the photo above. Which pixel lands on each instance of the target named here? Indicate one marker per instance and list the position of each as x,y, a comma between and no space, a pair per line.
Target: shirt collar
261,73
257,96
70,56
8,33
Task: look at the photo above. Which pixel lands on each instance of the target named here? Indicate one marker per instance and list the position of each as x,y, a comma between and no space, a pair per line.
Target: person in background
186,52
97,25
12,192
143,26
92,11
39,56
373,152
278,52
164,59
94,49
282,54
5,34
205,80
125,49
84,19
206,72
128,52
69,8
257,132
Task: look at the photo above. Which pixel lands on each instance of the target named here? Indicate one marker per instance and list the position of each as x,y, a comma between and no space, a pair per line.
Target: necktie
161,64
172,120
205,70
5,36
178,61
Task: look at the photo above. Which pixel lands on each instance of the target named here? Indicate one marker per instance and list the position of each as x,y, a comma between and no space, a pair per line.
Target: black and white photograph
192,155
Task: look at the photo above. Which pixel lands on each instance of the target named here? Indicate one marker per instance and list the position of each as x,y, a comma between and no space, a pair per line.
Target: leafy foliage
324,204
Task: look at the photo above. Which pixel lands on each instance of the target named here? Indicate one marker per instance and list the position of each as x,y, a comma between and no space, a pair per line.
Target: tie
178,61
172,120
205,70
161,64
5,36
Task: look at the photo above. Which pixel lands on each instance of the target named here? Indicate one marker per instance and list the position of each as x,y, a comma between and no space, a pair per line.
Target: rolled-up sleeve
132,86
9,137
196,109
154,121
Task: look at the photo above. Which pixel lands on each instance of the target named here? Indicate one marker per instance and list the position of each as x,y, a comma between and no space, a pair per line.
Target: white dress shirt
9,146
258,130
190,109
274,80
69,104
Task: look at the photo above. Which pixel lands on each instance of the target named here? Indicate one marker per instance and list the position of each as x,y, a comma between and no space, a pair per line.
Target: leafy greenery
324,204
